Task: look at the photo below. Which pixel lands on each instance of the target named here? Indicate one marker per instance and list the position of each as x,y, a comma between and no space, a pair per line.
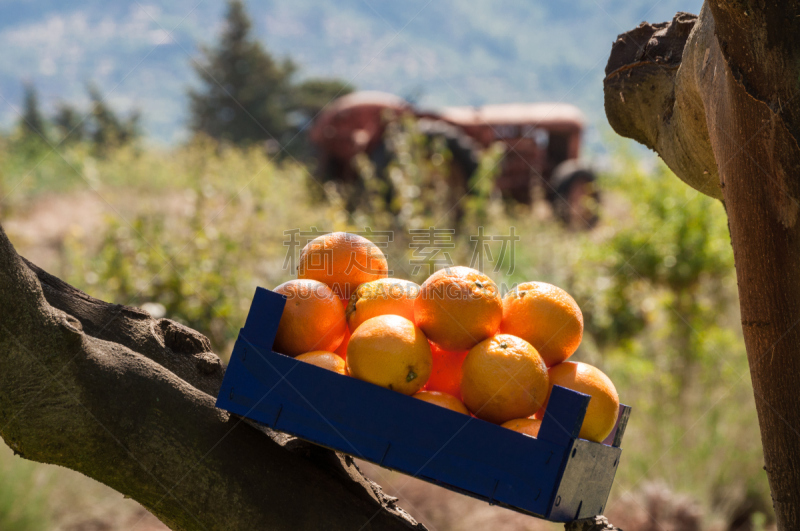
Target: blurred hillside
440,52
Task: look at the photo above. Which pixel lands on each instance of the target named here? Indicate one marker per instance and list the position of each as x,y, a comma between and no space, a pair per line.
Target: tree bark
129,400
716,97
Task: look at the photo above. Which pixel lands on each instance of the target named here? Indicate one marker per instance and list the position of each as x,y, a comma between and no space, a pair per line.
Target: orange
546,317
342,350
458,307
446,371
503,378
385,296
601,415
324,360
444,400
390,351
526,426
313,318
343,261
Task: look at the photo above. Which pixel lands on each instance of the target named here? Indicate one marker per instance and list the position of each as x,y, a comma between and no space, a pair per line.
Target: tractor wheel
462,147
574,195
464,153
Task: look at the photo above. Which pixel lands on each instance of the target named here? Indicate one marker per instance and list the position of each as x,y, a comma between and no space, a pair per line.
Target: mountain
438,52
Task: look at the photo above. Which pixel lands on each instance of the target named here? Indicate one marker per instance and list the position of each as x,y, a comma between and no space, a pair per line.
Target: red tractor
542,146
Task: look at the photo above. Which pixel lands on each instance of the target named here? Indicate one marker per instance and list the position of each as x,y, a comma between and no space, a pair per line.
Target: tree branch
179,349
646,100
128,400
668,85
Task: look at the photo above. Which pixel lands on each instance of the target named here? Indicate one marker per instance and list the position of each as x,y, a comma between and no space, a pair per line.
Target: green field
196,228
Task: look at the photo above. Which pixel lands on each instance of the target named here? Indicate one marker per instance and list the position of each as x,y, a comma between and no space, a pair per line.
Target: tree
128,400
716,97
245,93
32,122
107,129
69,123
310,96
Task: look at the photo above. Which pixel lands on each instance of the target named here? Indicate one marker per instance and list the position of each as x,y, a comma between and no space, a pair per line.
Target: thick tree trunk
129,401
716,97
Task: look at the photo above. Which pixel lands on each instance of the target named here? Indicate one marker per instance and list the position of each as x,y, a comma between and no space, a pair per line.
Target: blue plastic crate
556,476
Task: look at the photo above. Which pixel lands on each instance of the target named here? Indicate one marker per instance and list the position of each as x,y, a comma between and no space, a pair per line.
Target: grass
196,229
23,493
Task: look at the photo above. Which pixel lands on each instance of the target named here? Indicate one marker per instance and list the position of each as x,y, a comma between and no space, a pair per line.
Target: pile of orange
454,341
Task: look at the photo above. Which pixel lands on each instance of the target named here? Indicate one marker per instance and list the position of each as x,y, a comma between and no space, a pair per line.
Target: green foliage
32,122
675,245
32,162
195,280
106,129
21,495
69,123
29,167
202,257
